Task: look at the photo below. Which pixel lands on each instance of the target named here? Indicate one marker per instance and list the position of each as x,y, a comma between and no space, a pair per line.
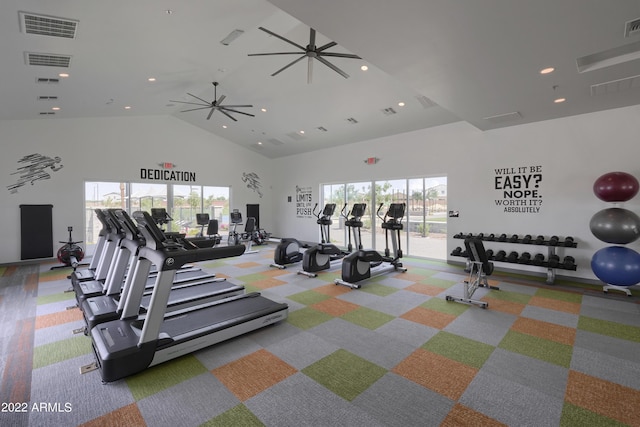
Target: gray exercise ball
615,225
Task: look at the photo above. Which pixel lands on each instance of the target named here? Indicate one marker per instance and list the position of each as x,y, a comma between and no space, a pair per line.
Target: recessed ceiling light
400,104
364,68
547,70
259,142
302,132
63,75
264,110
168,11
224,126
55,108
559,100
151,79
127,107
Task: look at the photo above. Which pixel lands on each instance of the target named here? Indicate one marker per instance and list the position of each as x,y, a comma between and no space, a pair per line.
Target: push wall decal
253,182
32,168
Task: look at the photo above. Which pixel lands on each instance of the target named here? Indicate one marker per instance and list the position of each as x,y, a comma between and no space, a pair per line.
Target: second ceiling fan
311,51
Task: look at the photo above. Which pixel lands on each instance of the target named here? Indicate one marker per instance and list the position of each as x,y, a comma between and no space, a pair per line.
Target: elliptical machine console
365,264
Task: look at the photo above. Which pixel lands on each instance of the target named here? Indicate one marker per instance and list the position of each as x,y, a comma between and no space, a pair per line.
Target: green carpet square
464,350
378,289
248,278
559,295
308,297
214,265
538,348
612,329
329,276
236,416
162,376
367,318
576,416
58,351
424,271
443,306
307,318
345,374
509,296
62,296
440,283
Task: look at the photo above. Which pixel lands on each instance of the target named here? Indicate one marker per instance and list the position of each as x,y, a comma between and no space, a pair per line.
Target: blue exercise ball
615,225
617,265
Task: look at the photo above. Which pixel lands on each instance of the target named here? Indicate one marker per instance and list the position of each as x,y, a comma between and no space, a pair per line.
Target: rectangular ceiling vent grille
48,60
389,111
615,86
275,141
296,136
632,28
504,118
48,25
47,98
47,81
47,113
425,102
352,120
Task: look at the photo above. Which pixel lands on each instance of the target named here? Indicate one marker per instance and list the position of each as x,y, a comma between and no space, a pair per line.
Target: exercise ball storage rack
551,244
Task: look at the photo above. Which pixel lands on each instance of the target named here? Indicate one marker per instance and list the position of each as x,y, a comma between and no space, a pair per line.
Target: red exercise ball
616,187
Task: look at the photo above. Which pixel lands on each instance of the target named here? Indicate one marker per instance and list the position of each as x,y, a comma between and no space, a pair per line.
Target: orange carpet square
554,304
503,306
267,283
332,290
58,318
57,275
419,288
604,398
252,374
462,416
546,330
127,416
335,307
428,317
413,277
250,264
274,272
438,373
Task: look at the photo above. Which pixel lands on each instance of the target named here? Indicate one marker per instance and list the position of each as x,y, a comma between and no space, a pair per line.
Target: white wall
115,149
572,153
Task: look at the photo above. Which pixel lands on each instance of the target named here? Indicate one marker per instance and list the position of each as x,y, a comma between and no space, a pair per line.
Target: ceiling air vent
296,136
47,59
47,98
47,113
632,28
389,111
425,102
352,120
615,86
46,80
504,118
48,25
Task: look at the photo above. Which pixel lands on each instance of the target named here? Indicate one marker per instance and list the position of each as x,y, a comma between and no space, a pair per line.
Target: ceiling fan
311,52
215,105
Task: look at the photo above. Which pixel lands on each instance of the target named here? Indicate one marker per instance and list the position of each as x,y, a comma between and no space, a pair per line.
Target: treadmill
130,345
102,256
103,308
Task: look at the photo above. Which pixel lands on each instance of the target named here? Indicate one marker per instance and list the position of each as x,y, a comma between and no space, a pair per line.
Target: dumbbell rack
550,244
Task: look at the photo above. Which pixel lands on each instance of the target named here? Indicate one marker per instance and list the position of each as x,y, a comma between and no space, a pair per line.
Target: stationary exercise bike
364,264
70,254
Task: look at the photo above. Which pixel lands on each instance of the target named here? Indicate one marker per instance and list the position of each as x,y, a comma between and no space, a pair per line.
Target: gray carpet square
360,297
273,334
551,316
511,403
611,346
511,287
380,349
406,331
302,349
454,277
226,352
393,279
189,403
612,315
56,333
299,401
389,398
627,305
457,290
55,307
398,303
545,377
281,292
55,287
607,367
487,326
81,391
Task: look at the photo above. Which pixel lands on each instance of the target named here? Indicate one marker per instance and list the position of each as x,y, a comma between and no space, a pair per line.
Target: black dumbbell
553,241
501,255
457,251
491,237
569,262
513,256
480,236
568,241
538,259
554,260
458,236
514,238
489,253
464,254
526,239
540,240
525,258
502,238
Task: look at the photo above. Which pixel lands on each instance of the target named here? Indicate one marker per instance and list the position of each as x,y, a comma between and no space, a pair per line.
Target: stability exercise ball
616,187
615,225
617,265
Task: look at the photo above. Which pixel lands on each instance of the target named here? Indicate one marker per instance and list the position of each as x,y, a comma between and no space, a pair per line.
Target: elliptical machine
364,264
325,255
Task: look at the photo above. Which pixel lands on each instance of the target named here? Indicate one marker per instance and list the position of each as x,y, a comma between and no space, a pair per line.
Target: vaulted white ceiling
446,60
